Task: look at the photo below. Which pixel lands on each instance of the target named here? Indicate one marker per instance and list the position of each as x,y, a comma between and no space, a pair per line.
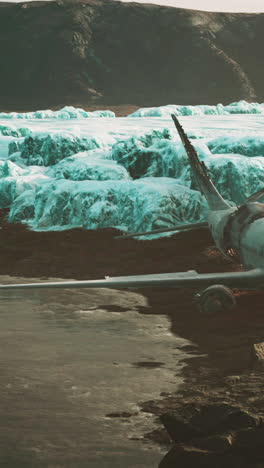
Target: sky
213,5
210,5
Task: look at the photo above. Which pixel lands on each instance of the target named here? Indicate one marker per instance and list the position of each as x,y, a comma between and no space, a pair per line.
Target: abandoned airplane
238,233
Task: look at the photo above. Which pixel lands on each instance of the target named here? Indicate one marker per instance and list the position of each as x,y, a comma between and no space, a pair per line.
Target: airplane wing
252,279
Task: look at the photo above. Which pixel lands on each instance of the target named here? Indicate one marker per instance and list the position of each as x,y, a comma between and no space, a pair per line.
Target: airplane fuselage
239,233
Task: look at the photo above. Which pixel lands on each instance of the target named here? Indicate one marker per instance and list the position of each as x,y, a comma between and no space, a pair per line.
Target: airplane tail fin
206,186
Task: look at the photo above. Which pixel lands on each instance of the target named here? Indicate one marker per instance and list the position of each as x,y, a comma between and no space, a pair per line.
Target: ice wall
246,145
156,155
46,150
12,187
129,205
8,130
241,107
84,166
70,112
67,112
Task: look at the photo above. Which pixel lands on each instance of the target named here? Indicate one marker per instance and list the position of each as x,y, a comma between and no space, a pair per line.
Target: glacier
241,107
128,173
67,112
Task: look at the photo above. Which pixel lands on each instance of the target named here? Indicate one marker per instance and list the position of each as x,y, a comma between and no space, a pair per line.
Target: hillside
97,52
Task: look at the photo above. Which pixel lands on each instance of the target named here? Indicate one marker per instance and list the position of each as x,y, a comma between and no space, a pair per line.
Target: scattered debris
258,354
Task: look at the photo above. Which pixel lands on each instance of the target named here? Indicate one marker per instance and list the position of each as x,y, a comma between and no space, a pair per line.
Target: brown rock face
193,422
82,52
228,437
191,457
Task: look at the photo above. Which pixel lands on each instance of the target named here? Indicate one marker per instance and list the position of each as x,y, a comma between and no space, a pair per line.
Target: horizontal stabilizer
181,227
254,197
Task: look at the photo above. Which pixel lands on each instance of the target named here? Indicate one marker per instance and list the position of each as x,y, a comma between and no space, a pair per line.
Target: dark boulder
193,421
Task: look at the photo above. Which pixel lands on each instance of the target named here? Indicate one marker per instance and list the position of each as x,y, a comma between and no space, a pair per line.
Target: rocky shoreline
223,380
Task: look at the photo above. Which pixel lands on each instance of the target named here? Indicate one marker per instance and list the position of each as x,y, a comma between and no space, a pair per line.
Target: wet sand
74,366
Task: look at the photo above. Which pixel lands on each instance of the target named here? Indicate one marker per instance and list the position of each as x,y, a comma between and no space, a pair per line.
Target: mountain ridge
100,52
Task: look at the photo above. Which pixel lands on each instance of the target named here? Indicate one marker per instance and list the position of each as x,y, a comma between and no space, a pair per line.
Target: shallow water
69,358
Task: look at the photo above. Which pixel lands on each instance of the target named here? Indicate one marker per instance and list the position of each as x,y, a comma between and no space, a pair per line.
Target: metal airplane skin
238,233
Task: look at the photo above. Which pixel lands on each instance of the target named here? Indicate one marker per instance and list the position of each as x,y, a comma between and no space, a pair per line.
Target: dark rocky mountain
107,52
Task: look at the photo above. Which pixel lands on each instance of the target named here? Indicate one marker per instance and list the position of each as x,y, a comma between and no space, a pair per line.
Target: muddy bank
223,370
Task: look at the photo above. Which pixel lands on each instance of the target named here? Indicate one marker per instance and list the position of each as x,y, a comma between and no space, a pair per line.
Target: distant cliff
101,51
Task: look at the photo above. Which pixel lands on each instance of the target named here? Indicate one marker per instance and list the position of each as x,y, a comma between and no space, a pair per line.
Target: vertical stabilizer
206,186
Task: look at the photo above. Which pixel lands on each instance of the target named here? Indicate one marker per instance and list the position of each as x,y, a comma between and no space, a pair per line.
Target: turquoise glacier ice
67,112
128,205
241,107
63,169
